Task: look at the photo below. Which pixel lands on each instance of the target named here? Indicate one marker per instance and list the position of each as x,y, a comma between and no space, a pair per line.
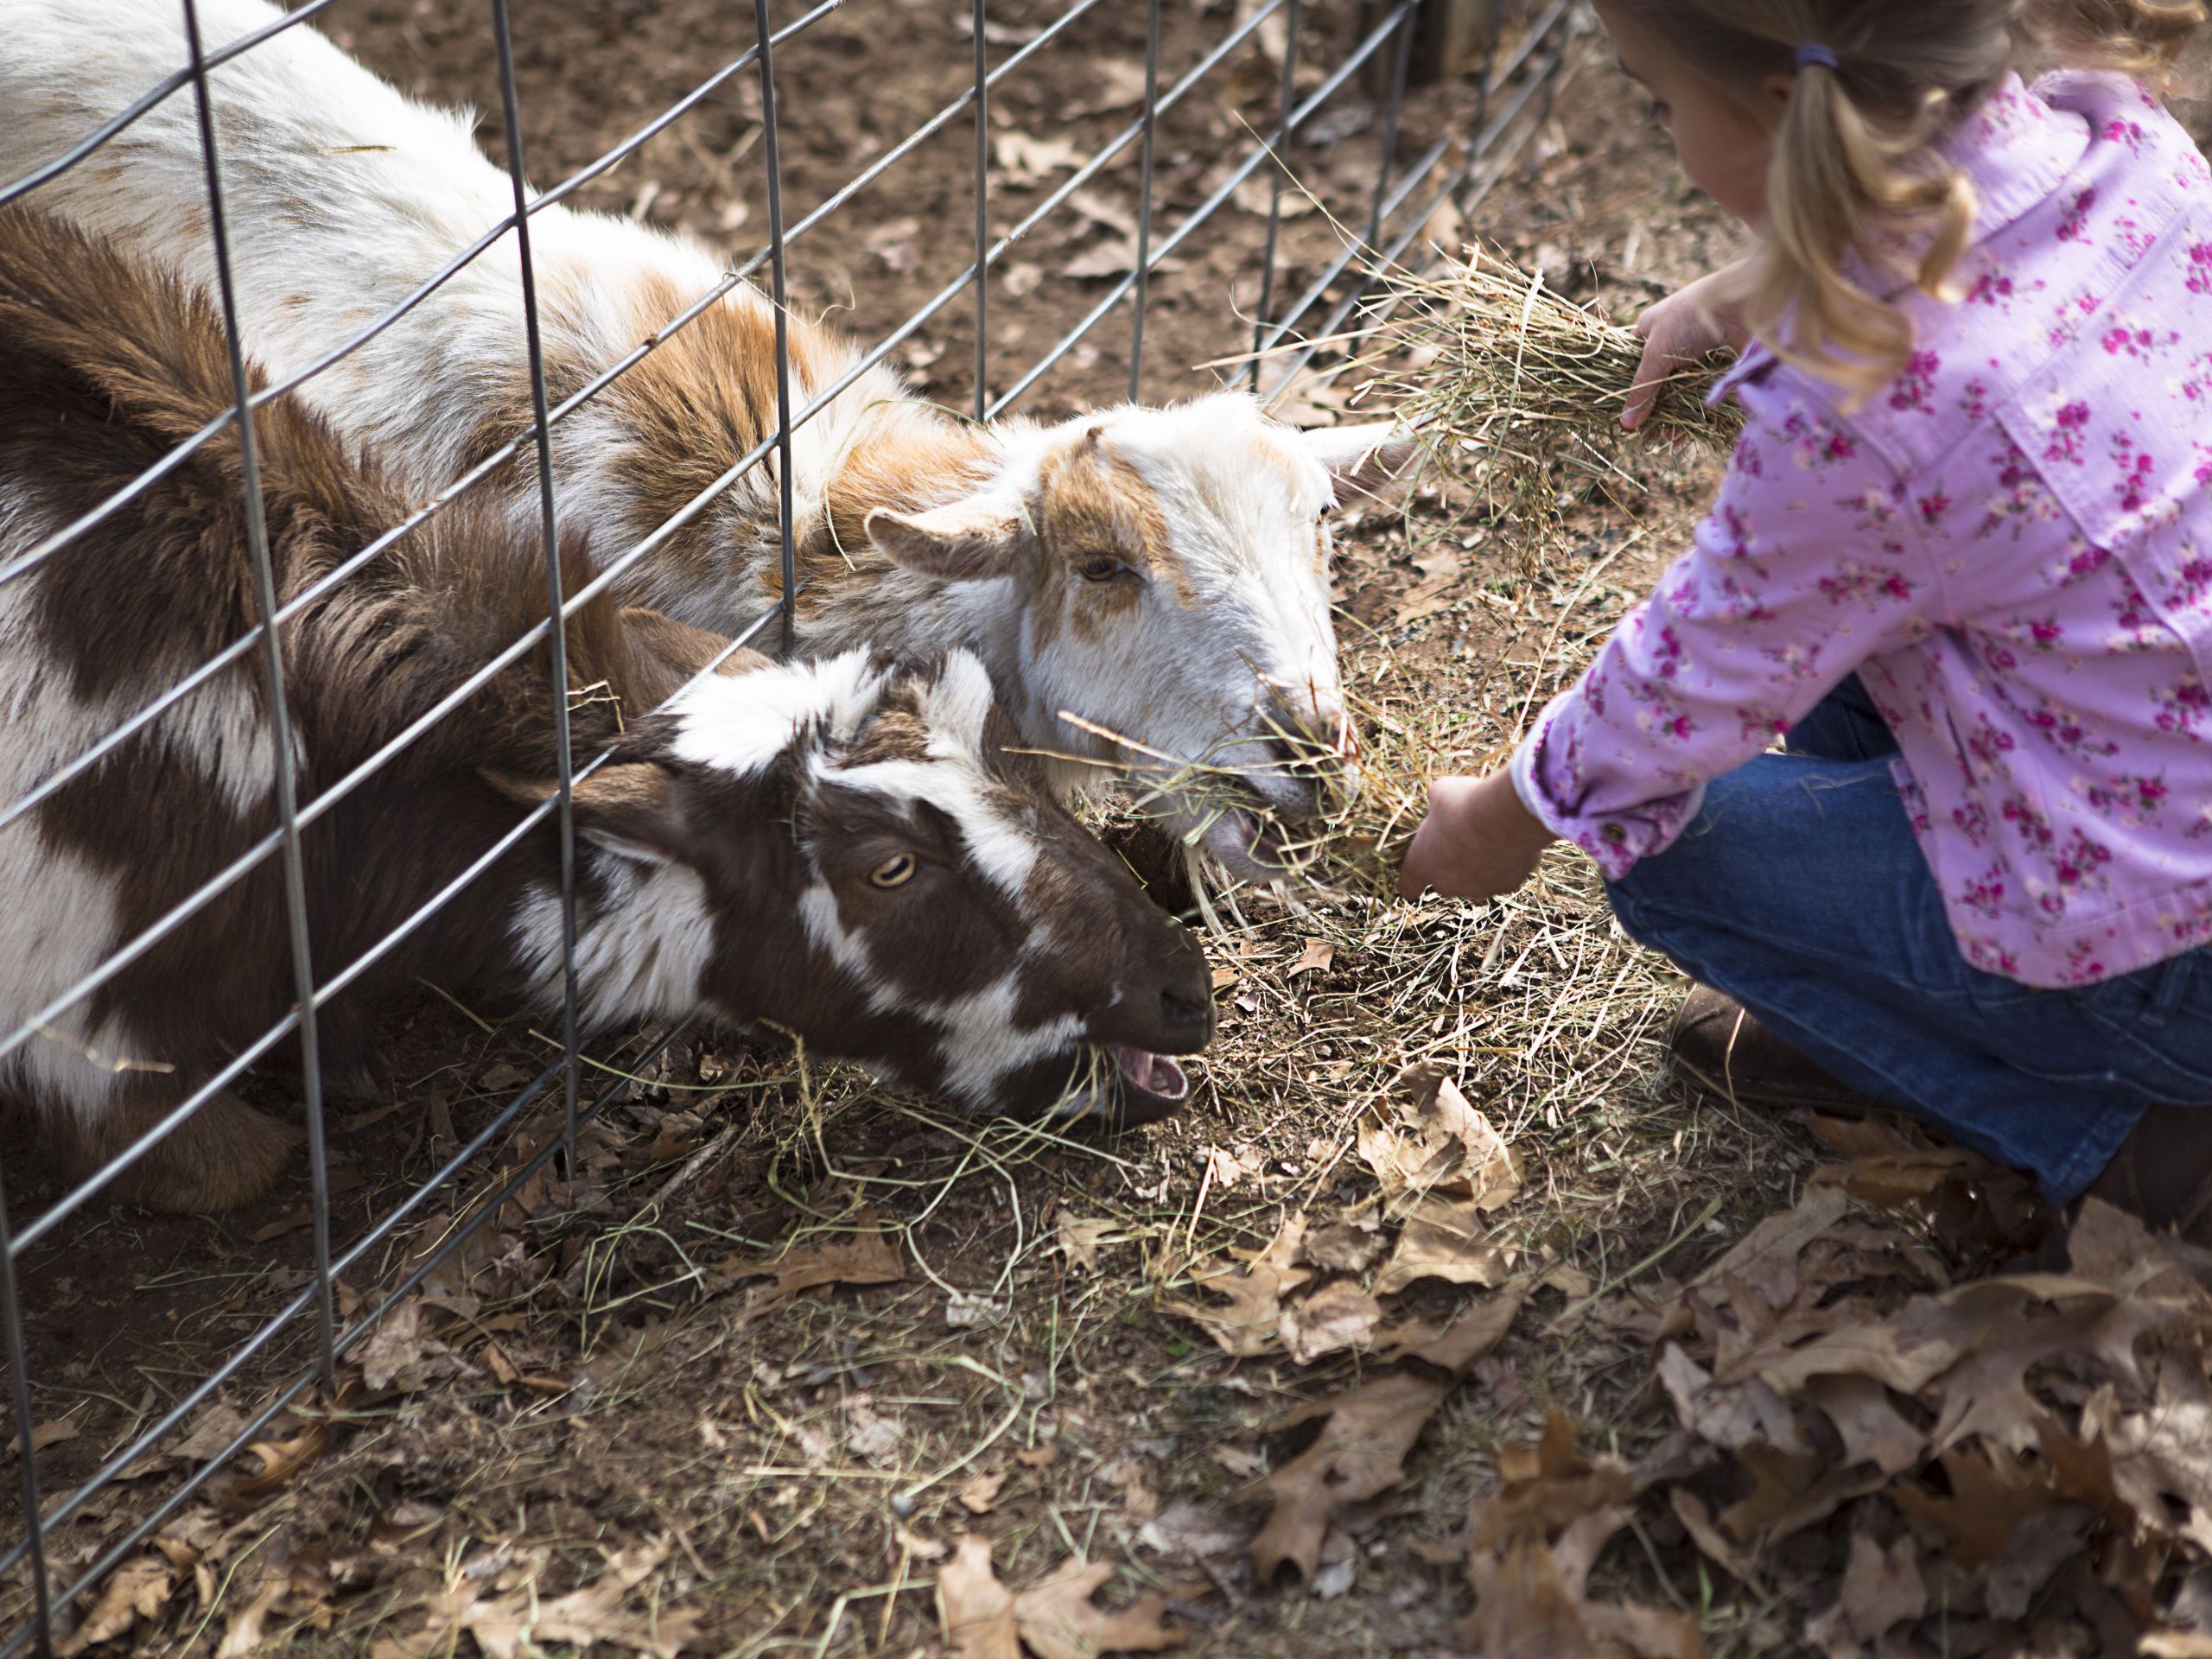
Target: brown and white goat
1161,573
841,849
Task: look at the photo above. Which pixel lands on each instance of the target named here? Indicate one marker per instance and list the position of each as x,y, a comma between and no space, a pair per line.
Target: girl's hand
1679,330
1478,842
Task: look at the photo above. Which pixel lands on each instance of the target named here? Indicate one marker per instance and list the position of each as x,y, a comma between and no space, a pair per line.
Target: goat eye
1099,567
894,872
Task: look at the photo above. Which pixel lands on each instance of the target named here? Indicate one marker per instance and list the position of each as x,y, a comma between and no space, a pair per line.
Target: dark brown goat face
885,880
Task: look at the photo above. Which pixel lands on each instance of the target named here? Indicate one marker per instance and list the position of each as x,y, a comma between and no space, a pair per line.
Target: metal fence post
557,642
280,719
787,607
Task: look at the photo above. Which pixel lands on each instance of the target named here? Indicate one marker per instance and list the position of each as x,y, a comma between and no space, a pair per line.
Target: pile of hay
1482,355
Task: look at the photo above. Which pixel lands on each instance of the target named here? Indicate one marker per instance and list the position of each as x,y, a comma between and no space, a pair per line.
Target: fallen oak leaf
1531,1546
134,1591
1337,1316
1359,1453
1248,1325
1079,1240
1360,1450
1058,1618
981,1491
1444,1241
1991,1495
1467,1338
282,1460
974,1609
1315,958
1437,1142
1882,1588
867,1257
1697,1521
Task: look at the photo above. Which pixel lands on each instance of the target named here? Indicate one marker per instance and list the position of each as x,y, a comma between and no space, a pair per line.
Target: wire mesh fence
1276,326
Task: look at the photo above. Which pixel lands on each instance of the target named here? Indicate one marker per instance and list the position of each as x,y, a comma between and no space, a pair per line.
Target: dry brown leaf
981,1491
1437,1142
1988,1501
1442,1240
1790,1491
1697,1521
1337,1316
282,1460
1116,255
134,1591
1882,1587
1248,1325
51,1432
2161,1455
594,1615
1138,1501
1867,1421
1567,1278
1367,1430
1037,1456
1733,1417
1315,958
1474,1333
866,1257
1023,161
1079,1241
242,1631
401,1353
1121,87
592,1618
1359,1453
1531,1546
1347,1246
211,1433
974,1608
1056,1617
1773,1246
1058,1620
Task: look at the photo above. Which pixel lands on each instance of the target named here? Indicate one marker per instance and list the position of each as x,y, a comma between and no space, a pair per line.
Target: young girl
1961,563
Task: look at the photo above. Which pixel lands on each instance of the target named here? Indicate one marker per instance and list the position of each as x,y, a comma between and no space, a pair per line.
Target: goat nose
1306,729
1187,1024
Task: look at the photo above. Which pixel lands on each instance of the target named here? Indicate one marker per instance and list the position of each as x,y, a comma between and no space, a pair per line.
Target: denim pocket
2158,1020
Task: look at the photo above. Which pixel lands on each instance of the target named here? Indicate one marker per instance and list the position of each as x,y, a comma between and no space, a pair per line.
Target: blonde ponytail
1842,182
1857,178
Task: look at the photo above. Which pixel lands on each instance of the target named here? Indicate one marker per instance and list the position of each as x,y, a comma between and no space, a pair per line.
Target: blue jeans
1800,891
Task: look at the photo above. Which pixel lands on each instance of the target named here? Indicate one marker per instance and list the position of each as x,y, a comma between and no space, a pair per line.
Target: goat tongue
1154,1074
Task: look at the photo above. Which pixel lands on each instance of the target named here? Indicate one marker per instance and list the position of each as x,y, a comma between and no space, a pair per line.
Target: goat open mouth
1126,1086
1150,1079
1252,844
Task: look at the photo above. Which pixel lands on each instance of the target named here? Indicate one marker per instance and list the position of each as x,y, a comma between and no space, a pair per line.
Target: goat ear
631,809
1362,459
965,539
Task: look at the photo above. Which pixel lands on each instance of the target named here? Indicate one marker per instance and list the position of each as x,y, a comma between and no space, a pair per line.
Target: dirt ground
743,1382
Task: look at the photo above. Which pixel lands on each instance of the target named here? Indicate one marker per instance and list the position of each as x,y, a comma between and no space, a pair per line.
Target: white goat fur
343,196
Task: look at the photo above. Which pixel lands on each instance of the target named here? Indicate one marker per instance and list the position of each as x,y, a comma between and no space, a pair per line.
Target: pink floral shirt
2012,545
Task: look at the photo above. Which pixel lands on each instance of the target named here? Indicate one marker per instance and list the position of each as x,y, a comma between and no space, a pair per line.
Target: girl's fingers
1659,360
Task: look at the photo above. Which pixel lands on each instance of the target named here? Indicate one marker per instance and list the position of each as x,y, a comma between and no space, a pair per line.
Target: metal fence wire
1504,96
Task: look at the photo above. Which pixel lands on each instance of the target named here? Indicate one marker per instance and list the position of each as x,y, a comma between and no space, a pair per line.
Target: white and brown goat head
1170,570
849,851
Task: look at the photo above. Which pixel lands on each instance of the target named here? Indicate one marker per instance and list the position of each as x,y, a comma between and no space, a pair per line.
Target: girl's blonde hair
1856,177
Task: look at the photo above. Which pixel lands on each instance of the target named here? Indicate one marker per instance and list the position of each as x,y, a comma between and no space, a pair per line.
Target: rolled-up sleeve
1811,562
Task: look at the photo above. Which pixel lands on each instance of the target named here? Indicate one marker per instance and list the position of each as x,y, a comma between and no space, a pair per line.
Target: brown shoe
2162,1174
1719,1045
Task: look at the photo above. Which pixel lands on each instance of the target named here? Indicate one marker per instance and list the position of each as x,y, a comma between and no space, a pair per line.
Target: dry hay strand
1491,360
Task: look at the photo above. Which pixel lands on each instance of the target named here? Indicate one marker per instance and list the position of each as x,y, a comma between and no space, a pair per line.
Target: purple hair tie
1812,52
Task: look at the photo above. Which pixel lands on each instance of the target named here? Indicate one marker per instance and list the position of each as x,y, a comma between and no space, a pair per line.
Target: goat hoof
224,1156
